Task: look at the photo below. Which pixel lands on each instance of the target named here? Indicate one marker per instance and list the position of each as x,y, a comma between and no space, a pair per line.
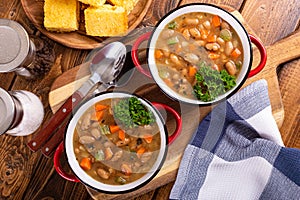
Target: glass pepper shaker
18,52
22,112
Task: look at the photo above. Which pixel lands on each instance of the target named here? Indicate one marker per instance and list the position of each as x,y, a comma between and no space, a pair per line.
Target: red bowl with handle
153,40
80,175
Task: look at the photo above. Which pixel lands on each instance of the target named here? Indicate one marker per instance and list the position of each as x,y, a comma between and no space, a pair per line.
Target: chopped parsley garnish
211,83
130,112
172,25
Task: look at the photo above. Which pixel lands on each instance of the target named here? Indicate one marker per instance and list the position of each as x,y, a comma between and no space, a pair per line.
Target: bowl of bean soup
116,142
199,54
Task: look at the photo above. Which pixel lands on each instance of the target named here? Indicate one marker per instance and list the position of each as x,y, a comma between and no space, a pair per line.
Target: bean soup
199,56
117,141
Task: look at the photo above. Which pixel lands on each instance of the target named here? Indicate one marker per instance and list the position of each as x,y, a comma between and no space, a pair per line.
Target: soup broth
194,40
110,152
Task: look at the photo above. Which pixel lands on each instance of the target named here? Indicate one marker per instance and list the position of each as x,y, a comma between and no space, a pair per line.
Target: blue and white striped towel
237,153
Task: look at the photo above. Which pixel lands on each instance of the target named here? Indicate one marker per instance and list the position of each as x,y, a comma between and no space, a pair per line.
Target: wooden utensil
105,67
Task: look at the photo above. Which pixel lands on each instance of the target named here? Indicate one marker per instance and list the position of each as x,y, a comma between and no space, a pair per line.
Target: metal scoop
105,67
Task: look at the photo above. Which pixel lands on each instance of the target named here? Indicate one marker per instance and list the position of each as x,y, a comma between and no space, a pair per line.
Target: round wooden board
34,9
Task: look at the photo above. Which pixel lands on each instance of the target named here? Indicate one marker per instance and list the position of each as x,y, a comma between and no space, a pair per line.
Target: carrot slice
148,138
216,21
213,56
97,116
236,53
122,135
168,82
204,33
140,152
192,71
86,164
99,107
212,38
114,128
158,54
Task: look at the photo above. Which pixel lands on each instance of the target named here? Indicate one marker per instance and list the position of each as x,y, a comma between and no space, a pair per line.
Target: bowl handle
134,53
172,137
57,165
263,56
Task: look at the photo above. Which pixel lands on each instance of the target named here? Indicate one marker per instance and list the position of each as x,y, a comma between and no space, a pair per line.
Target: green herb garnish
104,129
130,112
120,180
173,40
212,83
99,155
172,25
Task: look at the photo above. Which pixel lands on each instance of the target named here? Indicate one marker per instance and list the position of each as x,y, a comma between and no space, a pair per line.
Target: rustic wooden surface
27,175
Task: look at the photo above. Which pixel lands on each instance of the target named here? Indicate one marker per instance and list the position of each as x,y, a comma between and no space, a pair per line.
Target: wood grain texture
266,16
78,39
277,54
290,90
27,175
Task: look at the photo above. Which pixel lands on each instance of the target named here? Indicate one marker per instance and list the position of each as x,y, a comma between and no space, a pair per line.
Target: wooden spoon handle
55,121
50,146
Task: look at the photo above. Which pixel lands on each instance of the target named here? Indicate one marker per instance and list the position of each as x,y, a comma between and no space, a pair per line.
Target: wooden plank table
28,175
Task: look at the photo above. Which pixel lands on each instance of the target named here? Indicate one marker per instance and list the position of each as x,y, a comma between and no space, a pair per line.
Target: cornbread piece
106,20
127,4
61,15
95,3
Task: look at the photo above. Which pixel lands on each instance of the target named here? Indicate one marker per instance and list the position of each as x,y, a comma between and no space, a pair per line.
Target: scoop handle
178,120
55,121
58,167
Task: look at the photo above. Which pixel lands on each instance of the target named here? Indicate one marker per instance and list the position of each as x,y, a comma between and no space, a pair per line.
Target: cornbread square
95,3
61,15
127,4
106,20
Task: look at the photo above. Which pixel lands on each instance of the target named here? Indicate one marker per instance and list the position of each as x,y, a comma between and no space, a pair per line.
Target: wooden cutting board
278,53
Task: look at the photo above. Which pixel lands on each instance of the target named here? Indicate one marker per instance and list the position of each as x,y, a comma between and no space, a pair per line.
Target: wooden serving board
278,53
34,9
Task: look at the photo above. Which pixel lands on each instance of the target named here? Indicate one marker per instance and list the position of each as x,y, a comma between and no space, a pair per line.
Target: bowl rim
85,178
187,8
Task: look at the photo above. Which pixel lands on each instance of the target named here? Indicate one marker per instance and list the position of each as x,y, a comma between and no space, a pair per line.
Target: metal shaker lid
14,45
7,108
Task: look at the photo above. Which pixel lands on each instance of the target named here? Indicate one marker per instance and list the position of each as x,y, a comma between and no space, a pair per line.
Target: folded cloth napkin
237,153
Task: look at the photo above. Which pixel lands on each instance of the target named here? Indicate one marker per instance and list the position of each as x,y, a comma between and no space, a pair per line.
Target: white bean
230,67
175,59
191,21
186,34
216,47
220,41
103,174
167,33
175,76
96,133
207,25
228,48
192,58
86,139
200,42
195,33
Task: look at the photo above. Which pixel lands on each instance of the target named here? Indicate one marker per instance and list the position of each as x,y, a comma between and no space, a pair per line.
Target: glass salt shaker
22,112
18,52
